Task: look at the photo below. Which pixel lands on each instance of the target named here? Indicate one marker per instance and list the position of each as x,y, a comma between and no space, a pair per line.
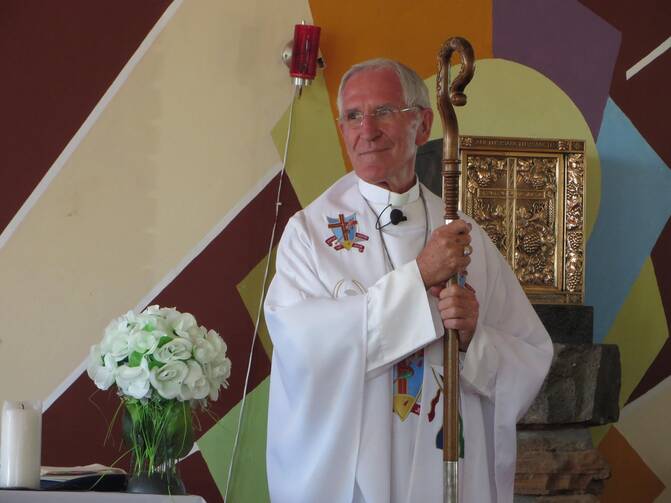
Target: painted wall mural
139,157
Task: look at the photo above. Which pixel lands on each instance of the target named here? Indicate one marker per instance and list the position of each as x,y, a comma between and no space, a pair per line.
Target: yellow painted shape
509,99
645,424
639,329
250,293
314,160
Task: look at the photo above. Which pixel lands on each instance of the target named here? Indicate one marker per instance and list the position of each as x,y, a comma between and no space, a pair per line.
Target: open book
95,477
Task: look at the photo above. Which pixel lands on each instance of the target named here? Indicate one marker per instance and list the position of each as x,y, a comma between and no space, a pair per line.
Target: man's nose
370,127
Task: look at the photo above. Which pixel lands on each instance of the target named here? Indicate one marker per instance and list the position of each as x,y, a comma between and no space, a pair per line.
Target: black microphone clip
396,216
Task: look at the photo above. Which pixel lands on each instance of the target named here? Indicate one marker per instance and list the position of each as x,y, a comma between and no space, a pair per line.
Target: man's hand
459,310
443,255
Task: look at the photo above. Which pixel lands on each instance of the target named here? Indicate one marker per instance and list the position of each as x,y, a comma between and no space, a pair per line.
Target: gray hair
415,91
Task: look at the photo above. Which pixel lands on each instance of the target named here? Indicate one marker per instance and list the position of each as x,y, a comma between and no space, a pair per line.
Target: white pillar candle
21,445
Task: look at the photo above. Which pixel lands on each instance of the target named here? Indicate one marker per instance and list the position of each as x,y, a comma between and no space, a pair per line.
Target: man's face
383,152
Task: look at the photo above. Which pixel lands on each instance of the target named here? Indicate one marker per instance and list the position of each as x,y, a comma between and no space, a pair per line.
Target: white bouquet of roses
160,351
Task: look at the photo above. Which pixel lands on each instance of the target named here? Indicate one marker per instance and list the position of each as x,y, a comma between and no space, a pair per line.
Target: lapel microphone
396,216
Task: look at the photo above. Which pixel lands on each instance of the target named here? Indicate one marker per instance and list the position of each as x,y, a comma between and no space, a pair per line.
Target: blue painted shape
635,205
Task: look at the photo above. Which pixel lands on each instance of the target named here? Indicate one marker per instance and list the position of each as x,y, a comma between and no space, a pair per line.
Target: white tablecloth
92,497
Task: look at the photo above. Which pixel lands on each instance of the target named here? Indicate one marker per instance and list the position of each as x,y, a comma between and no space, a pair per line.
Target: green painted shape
249,481
510,99
314,160
250,292
640,329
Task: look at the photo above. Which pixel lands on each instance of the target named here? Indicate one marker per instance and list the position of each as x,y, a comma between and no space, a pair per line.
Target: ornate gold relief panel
528,195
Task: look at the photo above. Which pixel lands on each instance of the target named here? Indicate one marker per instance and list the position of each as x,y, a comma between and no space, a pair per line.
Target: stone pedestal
556,461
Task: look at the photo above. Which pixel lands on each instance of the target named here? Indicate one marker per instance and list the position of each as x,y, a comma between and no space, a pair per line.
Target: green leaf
164,340
135,359
153,362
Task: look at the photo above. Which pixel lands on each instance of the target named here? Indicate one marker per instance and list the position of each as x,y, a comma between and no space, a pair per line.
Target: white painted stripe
657,52
79,136
173,273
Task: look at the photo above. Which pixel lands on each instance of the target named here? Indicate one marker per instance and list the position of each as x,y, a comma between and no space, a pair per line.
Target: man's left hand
459,310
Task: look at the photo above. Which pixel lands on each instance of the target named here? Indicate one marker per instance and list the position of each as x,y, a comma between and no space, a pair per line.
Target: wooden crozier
451,174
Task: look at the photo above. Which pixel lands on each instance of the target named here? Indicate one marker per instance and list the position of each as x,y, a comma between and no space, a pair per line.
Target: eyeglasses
384,114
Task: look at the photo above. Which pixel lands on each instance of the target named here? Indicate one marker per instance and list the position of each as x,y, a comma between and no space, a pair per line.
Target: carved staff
451,200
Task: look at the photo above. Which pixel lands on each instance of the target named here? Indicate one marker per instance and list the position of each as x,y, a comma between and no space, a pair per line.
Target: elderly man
357,312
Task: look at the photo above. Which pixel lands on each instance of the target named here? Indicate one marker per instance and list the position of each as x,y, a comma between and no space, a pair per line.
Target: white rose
197,333
196,385
204,351
210,349
154,310
148,322
218,343
132,319
223,371
133,381
117,328
120,347
183,323
217,374
162,326
169,314
168,379
144,342
116,340
176,349
101,369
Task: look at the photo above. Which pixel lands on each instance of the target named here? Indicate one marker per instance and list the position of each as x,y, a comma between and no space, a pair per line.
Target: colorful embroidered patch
345,233
408,375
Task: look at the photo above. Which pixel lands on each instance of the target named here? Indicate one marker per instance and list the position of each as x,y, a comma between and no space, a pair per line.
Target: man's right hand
443,255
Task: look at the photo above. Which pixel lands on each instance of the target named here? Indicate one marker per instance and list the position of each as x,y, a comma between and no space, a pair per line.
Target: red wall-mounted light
301,55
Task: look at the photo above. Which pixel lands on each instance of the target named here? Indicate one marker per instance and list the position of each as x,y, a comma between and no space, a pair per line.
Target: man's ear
424,128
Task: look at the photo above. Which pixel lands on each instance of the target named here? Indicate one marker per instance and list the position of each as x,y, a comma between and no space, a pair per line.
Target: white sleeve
509,338
507,359
324,349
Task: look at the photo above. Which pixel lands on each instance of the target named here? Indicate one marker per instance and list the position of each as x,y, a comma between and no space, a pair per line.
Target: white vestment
340,320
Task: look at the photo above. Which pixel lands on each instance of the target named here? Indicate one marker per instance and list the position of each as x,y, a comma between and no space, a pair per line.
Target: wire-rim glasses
383,114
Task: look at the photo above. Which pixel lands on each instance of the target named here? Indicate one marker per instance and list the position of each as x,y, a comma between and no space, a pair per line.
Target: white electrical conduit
278,203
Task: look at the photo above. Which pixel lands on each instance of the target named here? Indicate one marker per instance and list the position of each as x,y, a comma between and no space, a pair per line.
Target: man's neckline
380,195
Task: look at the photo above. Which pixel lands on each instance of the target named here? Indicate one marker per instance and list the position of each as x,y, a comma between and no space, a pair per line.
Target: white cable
278,203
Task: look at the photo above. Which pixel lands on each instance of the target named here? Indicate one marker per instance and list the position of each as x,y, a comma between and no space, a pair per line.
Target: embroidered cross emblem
345,233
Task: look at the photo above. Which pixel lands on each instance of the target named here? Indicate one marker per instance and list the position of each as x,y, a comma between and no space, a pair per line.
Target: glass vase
158,433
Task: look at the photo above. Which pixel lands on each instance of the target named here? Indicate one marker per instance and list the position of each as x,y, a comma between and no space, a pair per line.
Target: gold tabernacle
528,194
